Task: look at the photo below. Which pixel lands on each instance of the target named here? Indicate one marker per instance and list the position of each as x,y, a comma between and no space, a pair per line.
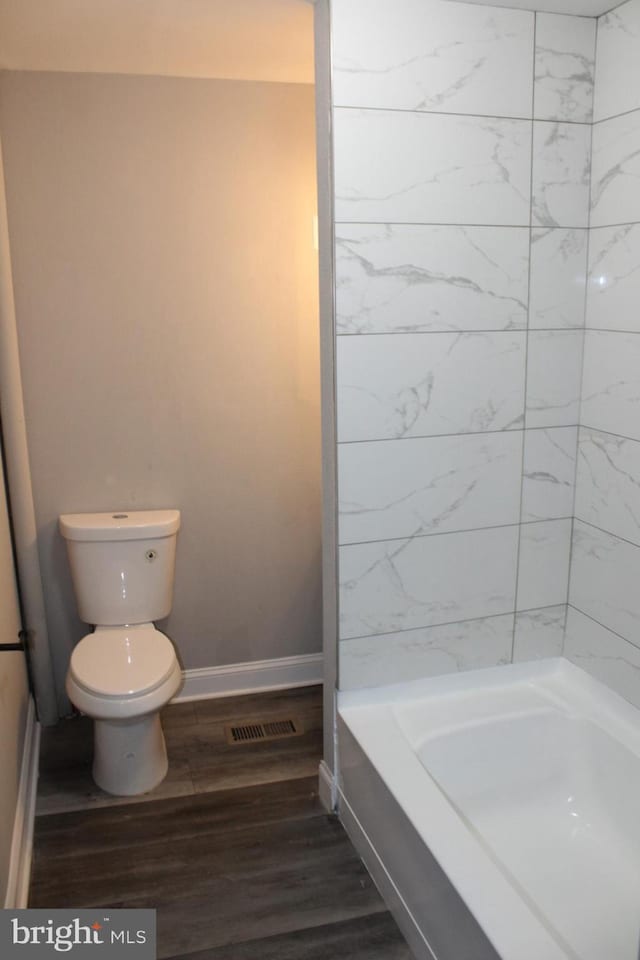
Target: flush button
151,555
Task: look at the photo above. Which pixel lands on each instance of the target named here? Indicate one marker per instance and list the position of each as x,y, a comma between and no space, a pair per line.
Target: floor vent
273,730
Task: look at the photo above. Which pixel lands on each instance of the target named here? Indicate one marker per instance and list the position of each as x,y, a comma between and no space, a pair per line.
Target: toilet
122,674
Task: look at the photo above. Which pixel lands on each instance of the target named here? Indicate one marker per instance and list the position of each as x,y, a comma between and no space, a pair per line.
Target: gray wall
166,289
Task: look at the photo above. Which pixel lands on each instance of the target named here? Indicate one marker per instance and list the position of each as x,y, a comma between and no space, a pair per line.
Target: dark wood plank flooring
234,850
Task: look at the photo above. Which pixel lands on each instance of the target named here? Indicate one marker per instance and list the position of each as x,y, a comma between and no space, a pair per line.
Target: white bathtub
499,811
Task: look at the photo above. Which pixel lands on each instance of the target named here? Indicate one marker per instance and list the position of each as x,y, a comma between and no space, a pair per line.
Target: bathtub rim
514,927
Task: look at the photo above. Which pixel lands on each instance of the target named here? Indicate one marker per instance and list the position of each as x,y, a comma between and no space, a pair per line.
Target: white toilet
122,674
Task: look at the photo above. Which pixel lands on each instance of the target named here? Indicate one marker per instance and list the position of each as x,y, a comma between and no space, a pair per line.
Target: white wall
165,280
462,147
603,626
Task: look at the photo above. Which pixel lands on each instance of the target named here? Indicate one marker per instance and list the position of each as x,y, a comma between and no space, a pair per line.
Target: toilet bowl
124,672
122,677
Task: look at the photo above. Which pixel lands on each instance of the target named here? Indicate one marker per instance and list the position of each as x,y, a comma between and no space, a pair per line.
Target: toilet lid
122,661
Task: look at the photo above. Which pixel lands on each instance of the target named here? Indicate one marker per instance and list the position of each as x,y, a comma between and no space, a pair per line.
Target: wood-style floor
234,850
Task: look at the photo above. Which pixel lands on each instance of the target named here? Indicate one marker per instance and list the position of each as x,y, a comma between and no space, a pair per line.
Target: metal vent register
273,730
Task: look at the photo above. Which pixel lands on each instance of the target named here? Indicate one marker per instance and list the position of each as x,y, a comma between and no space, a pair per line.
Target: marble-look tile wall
603,623
462,138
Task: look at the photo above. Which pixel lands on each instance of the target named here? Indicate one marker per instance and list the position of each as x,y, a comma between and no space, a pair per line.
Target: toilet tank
122,564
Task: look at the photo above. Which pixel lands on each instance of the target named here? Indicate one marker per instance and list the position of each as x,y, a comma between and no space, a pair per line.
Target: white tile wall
438,277
410,385
401,278
553,377
426,652
403,488
615,197
565,55
549,473
611,383
608,483
618,70
614,278
403,584
396,166
435,56
561,169
539,633
558,278
603,654
603,625
605,573
543,568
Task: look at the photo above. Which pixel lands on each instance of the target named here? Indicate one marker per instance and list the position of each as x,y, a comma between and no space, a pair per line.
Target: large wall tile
426,55
558,278
404,385
404,584
605,574
611,383
618,67
539,633
401,488
403,278
543,569
429,168
549,473
565,64
615,196
554,360
614,278
608,483
604,655
427,652
561,165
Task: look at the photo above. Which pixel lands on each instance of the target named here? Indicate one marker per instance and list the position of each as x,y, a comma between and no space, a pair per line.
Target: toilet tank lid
120,525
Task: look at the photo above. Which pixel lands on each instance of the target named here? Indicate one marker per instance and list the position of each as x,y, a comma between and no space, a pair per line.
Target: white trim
327,788
380,876
17,895
237,678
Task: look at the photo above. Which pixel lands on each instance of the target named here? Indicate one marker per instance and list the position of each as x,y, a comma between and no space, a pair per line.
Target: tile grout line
483,226
452,623
526,346
584,340
608,533
610,226
364,335
459,332
621,3
604,626
452,533
448,533
510,118
472,433
616,116
460,223
607,433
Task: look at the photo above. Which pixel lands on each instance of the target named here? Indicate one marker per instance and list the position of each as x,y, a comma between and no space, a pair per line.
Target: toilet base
130,756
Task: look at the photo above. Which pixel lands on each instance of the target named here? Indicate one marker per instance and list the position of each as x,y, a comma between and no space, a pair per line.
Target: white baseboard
237,678
380,876
327,788
17,895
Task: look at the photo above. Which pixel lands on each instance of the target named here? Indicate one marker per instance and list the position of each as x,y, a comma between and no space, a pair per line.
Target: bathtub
499,811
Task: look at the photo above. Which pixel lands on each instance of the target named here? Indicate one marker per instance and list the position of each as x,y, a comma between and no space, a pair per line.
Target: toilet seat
122,662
